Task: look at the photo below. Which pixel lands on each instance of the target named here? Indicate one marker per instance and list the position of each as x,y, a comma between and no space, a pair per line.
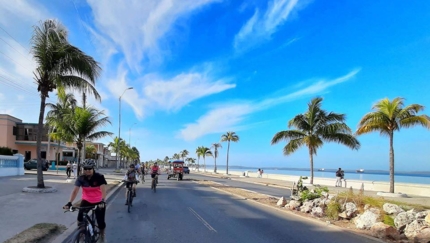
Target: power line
14,49
13,38
12,59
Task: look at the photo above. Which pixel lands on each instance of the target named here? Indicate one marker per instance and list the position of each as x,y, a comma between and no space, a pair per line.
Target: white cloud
137,27
229,116
30,12
260,27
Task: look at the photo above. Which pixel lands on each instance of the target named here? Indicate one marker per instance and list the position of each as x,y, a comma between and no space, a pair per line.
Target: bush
333,209
5,151
388,220
315,193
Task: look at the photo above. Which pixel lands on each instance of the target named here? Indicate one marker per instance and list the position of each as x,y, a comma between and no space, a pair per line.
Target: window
14,131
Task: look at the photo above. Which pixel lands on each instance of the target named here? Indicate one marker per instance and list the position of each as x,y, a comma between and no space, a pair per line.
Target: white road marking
202,220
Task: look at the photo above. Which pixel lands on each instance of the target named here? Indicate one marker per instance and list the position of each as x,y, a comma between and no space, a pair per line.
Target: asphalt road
184,211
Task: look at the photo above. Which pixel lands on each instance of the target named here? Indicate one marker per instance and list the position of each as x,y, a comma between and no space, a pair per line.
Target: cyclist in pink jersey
93,193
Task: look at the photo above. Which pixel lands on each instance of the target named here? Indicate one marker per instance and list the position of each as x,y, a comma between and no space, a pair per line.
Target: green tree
6,151
184,153
388,117
215,146
203,151
176,156
116,146
229,137
191,161
90,151
59,64
313,128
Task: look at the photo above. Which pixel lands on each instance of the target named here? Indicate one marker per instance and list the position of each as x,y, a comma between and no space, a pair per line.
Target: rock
422,215
307,207
317,212
366,207
343,215
331,196
292,197
282,202
414,228
350,209
427,219
402,219
390,208
366,220
317,201
383,231
294,204
423,235
324,194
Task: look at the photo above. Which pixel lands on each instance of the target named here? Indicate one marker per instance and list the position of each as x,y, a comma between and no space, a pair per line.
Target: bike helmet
132,166
155,163
88,164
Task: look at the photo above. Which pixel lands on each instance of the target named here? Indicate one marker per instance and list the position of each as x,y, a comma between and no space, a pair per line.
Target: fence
11,165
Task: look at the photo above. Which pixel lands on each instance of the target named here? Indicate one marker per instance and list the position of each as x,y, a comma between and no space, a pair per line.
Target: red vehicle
177,169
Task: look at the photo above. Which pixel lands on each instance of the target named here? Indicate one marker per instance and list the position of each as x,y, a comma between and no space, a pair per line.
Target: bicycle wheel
81,236
155,186
129,200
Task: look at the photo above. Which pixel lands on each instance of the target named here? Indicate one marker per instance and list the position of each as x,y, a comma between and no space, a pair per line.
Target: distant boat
360,171
322,169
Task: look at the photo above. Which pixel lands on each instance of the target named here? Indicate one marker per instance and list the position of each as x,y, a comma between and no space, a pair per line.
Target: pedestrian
68,169
339,178
259,173
74,169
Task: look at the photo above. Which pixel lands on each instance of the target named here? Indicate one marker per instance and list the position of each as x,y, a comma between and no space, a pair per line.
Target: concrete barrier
11,165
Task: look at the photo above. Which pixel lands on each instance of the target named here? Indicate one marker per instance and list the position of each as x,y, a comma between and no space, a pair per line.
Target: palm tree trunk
56,155
204,164
311,157
215,163
391,163
228,150
40,182
198,164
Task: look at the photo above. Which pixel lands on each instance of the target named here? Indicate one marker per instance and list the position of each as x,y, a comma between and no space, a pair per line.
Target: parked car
186,170
32,164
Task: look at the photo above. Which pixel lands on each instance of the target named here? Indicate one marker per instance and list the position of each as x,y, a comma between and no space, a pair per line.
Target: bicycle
129,195
142,178
154,183
88,231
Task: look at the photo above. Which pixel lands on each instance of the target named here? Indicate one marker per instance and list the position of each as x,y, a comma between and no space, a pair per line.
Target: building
22,138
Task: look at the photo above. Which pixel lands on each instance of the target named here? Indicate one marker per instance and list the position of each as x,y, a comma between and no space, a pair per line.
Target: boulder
307,207
294,204
402,219
427,219
324,194
422,215
423,235
383,231
390,208
317,212
343,215
414,228
366,220
350,209
282,202
366,207
294,197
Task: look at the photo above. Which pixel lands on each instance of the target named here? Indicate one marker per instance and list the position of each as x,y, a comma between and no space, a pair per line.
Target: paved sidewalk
412,199
20,210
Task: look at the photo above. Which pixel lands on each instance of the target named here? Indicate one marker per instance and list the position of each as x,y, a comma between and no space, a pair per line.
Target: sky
200,68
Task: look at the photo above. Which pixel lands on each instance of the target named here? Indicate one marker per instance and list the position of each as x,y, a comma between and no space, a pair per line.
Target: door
27,155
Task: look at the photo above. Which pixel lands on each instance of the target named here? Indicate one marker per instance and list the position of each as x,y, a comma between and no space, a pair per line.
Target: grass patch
388,220
42,232
333,209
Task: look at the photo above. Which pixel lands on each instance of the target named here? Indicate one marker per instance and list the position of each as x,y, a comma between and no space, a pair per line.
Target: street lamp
129,132
119,130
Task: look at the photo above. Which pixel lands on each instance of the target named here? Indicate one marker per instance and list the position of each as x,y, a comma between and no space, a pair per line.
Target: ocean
414,177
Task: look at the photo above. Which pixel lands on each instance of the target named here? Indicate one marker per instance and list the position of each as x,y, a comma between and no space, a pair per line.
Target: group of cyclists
94,190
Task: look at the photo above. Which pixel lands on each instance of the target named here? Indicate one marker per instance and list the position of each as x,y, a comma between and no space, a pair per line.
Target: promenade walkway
411,199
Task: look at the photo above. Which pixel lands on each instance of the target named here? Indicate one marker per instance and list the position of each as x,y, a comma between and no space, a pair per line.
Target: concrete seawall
378,186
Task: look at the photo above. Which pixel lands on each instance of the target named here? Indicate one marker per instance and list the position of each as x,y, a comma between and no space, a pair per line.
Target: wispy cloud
142,25
230,116
261,26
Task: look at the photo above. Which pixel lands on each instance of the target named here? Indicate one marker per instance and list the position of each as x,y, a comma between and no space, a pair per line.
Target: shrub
333,209
315,193
388,220
6,151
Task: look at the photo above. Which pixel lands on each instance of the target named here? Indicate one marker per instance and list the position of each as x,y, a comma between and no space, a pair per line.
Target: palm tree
388,117
90,150
84,125
203,151
216,146
229,137
60,64
176,156
191,161
313,128
115,146
183,154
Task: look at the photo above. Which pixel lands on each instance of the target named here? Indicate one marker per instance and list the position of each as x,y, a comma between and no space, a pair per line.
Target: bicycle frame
88,223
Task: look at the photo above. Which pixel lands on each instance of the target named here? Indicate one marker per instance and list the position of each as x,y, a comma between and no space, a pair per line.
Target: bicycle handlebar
72,208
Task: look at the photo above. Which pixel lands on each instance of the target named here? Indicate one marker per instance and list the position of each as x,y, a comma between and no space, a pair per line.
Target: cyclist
155,170
131,177
93,193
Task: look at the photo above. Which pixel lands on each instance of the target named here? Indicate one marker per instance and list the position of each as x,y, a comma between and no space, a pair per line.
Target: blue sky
200,68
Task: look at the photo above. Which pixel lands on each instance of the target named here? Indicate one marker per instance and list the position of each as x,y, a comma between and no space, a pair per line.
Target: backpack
131,175
338,174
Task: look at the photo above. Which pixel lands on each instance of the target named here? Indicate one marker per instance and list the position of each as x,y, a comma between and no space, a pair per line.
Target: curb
313,220
64,237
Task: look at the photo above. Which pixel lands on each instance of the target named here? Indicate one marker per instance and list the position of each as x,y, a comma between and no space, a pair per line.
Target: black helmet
132,166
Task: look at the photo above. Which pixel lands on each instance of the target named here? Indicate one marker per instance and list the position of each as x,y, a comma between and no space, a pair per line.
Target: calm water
404,177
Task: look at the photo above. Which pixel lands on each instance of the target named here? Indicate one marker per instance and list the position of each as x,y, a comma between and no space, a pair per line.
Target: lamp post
119,130
129,132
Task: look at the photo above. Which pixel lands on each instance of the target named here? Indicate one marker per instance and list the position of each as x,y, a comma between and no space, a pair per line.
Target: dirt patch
43,232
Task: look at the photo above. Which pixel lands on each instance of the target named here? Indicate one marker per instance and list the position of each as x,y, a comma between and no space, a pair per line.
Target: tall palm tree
191,161
183,154
176,156
203,151
215,146
313,128
388,117
59,64
229,137
85,124
116,146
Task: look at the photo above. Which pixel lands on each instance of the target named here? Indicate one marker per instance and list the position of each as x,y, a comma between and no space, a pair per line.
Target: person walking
339,178
68,169
74,169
